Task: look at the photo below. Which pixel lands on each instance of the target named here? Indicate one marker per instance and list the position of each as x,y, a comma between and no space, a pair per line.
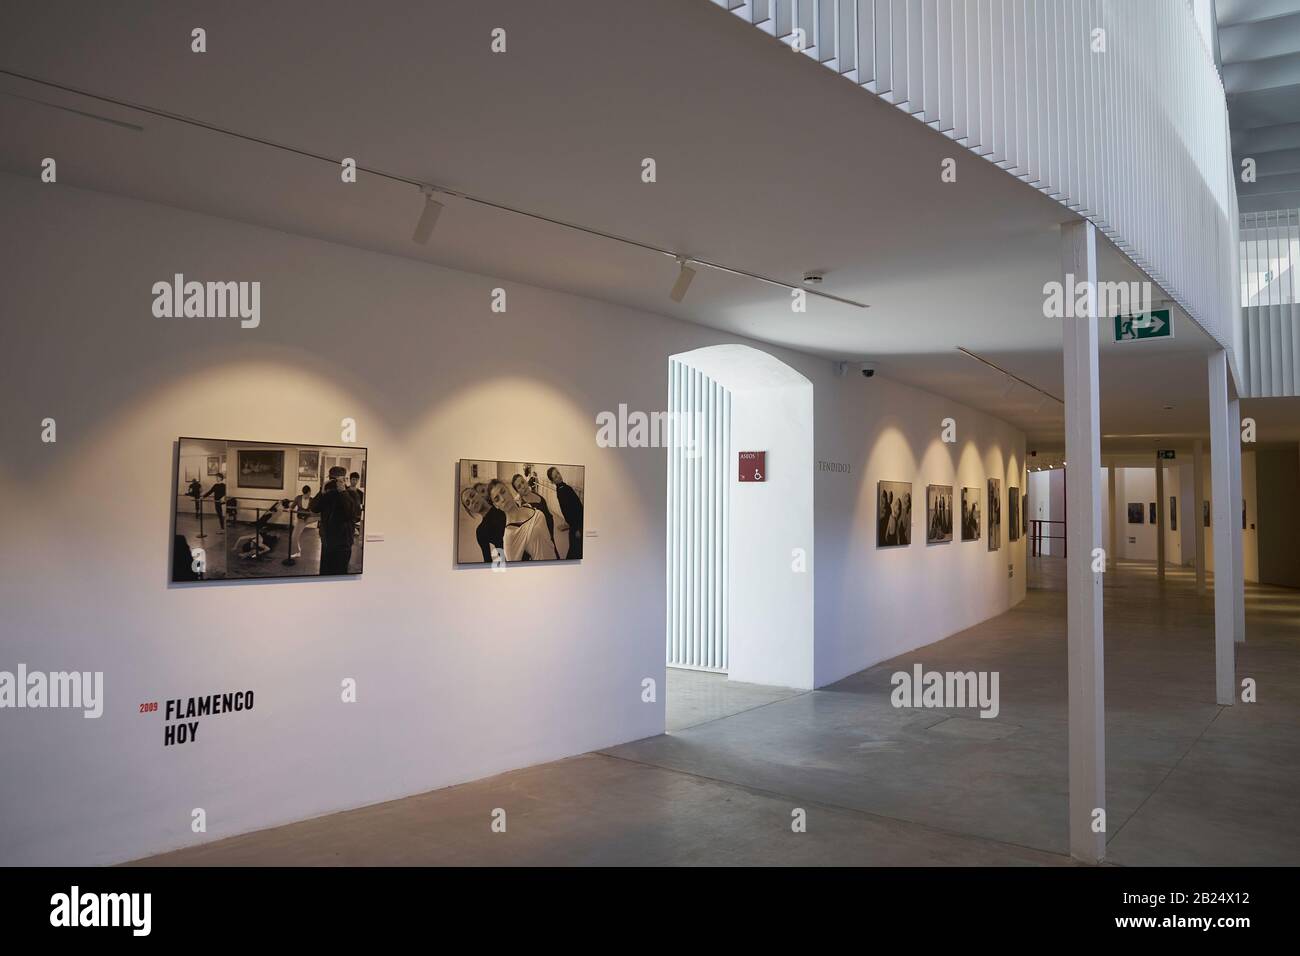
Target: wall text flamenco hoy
187,711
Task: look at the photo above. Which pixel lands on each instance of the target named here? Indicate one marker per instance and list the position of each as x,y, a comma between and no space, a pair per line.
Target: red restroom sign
753,466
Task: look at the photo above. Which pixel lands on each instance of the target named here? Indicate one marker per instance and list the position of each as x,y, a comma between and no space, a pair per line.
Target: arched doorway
740,552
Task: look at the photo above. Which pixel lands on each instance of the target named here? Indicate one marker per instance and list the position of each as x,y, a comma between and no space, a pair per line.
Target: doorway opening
739,629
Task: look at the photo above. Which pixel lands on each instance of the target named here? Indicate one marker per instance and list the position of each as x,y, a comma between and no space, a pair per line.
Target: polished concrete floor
1188,782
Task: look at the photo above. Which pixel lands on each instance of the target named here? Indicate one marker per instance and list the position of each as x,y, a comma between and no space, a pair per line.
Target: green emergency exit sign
1147,325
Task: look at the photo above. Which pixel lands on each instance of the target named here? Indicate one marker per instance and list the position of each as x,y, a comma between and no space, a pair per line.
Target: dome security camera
868,369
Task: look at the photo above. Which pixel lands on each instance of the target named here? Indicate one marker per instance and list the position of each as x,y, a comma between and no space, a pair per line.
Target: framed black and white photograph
1024,518
1205,513
216,465
938,514
511,511
251,524
995,514
1135,512
1151,511
1173,513
1243,514
1013,514
970,514
893,514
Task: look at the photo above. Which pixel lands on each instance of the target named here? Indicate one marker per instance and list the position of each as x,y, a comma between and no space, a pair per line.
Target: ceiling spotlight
428,216
684,276
813,277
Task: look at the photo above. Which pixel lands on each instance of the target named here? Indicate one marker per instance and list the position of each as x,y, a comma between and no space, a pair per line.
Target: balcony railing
1113,108
1270,303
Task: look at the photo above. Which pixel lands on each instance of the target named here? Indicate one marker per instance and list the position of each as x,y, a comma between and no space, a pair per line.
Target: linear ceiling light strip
999,368
394,177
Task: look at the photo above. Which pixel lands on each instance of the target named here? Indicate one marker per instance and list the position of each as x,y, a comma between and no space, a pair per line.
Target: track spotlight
428,216
684,276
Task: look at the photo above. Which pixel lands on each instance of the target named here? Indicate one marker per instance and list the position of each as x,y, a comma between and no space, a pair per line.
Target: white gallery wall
460,672
873,604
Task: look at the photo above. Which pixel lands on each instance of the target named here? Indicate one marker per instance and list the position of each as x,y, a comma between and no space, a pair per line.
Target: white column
1238,494
1160,518
1087,721
1112,545
1198,520
1221,520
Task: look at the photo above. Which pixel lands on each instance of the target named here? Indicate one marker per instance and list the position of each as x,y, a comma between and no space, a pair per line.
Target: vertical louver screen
1270,302
699,453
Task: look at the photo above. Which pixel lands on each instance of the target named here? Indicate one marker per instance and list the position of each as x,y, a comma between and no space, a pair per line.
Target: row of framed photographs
942,517
1135,513
248,509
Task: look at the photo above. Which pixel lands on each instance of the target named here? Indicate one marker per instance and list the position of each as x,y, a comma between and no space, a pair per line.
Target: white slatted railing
1135,137
1270,303
699,449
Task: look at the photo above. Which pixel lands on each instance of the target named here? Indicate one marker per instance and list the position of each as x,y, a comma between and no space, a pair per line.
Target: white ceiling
766,162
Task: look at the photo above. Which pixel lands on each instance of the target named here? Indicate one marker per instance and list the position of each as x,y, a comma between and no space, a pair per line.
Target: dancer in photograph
302,519
218,491
490,533
572,510
339,512
261,542
526,536
195,491
528,495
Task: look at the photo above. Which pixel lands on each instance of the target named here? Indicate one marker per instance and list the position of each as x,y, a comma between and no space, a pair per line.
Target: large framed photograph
995,514
938,514
893,514
256,522
1135,512
510,511
1013,513
970,514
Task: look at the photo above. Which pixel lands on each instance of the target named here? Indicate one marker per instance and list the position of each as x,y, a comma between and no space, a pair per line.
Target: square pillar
1238,495
1160,518
1087,720
1222,518
1112,543
1198,520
